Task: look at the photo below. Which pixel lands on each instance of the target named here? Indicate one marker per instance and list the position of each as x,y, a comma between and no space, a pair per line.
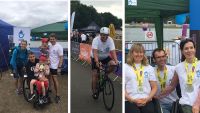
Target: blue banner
194,15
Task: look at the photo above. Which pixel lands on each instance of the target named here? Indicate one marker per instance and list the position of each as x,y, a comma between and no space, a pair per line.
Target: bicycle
105,85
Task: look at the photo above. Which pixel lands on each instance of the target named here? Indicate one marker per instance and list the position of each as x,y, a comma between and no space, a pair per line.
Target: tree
86,14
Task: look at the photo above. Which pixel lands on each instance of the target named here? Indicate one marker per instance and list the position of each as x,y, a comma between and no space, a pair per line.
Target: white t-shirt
83,37
169,99
131,81
103,48
188,98
55,51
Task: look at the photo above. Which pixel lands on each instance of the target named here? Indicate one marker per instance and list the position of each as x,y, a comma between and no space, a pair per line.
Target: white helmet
104,30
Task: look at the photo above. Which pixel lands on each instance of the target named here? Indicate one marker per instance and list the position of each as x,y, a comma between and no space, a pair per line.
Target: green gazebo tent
155,11
44,31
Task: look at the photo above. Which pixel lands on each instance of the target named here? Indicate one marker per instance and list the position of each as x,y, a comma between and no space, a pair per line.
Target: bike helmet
104,30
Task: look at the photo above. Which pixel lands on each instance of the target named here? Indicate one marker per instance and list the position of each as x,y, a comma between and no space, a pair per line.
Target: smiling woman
140,82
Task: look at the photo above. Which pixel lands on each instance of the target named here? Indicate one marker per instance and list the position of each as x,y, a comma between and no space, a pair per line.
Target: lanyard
190,73
139,74
162,80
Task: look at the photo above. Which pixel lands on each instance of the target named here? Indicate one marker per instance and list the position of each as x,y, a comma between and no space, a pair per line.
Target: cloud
33,13
112,6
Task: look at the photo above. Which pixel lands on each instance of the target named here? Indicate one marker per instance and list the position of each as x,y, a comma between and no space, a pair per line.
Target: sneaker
31,97
17,91
57,99
20,91
95,95
41,101
44,98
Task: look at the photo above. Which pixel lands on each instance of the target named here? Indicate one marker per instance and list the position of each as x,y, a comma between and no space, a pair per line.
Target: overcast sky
112,6
33,13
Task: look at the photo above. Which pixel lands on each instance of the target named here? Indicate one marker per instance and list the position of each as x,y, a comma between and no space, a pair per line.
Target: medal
162,80
190,75
189,88
140,77
140,89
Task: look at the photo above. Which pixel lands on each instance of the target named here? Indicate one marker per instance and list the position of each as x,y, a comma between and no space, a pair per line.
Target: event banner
21,33
85,50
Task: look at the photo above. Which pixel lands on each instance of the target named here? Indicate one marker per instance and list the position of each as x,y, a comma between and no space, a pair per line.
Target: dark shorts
18,73
53,71
104,61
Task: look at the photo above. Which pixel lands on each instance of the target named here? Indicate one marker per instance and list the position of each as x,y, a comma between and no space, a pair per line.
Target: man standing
164,74
56,60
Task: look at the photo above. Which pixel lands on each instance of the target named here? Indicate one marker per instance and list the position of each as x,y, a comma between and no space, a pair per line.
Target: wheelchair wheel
36,101
26,88
108,94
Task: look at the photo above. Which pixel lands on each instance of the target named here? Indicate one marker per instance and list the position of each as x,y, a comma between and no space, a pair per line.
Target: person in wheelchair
140,82
41,72
30,66
164,74
187,73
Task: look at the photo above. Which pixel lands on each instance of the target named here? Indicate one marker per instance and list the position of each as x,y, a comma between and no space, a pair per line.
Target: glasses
159,57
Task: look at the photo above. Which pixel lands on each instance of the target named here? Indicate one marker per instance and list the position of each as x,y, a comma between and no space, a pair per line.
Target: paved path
81,99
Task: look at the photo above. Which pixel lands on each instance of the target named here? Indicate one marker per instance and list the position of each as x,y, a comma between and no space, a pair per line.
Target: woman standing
187,73
140,82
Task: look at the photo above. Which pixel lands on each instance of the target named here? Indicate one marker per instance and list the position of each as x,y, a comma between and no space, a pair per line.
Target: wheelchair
37,100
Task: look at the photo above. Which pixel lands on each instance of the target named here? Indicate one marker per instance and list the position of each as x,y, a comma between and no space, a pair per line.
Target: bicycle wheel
26,88
108,94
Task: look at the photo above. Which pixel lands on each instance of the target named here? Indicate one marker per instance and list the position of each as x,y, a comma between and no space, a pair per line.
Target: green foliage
86,14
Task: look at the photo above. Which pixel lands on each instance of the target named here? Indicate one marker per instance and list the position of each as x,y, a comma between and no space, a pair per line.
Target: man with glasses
164,74
103,51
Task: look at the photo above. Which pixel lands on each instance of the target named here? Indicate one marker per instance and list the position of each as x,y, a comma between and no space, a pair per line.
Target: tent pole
159,31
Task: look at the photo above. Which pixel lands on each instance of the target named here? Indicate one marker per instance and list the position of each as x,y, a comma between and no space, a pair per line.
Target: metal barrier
76,51
171,47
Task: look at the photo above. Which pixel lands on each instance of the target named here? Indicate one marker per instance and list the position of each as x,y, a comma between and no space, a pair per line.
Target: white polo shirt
169,99
131,86
188,98
103,48
55,51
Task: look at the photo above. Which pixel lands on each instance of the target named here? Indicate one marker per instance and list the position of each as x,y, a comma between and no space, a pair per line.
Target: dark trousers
133,108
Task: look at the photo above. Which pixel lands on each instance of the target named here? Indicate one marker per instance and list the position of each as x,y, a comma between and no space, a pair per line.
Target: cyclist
103,50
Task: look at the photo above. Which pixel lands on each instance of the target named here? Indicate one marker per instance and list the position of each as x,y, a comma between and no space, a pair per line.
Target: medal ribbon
162,80
139,74
190,73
